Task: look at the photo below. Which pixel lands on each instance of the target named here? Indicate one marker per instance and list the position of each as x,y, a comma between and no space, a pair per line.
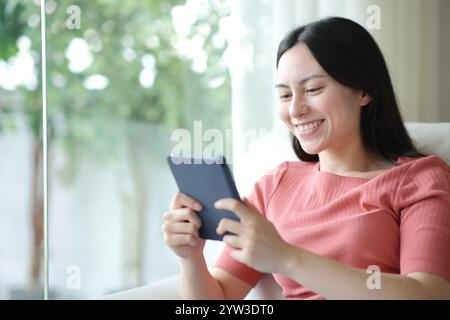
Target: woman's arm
335,280
197,282
257,244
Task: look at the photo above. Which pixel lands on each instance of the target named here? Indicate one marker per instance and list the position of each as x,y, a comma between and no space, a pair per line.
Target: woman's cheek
283,112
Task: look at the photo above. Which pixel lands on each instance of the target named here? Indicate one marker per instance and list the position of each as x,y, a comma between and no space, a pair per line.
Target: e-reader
206,179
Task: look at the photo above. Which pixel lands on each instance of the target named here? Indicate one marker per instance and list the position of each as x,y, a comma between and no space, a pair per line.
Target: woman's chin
311,149
309,146
311,152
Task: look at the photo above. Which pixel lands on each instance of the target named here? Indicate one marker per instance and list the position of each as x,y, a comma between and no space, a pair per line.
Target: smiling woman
341,76
361,197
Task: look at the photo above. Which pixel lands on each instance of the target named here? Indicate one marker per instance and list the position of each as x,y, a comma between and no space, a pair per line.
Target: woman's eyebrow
303,81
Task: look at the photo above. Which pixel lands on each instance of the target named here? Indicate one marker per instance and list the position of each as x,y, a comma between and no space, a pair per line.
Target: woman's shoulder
292,167
275,178
275,174
425,178
425,172
430,163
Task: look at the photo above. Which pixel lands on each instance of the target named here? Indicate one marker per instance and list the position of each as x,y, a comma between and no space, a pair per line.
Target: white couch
264,154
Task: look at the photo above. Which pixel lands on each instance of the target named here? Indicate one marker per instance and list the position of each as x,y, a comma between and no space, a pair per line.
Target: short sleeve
259,197
424,200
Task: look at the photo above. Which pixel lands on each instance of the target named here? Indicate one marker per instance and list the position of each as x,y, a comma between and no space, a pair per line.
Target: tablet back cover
207,180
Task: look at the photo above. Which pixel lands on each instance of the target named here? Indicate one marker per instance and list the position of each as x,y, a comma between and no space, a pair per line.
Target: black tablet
206,179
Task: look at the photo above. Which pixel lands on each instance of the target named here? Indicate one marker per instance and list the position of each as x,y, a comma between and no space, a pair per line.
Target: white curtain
413,36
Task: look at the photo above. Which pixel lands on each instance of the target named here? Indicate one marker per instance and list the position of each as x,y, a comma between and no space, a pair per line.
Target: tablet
206,179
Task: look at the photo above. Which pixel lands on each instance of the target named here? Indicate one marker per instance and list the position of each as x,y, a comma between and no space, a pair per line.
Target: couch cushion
433,138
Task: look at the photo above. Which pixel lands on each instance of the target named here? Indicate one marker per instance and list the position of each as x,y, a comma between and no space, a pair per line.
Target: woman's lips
308,129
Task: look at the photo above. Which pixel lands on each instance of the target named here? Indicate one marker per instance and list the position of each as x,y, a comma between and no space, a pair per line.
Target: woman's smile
308,129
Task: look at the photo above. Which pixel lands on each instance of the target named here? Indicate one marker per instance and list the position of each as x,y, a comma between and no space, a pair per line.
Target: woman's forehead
298,62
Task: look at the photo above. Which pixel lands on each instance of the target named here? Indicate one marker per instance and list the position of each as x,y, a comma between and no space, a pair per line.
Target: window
121,77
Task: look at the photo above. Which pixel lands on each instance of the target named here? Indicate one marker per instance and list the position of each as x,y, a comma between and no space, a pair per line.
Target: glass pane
21,265
122,77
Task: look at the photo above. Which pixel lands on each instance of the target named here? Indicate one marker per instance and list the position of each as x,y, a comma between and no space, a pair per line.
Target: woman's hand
257,242
181,224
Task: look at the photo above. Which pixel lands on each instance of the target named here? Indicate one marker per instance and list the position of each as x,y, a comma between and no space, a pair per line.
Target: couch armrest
165,289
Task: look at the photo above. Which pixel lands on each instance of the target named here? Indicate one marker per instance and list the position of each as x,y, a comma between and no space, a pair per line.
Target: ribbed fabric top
398,220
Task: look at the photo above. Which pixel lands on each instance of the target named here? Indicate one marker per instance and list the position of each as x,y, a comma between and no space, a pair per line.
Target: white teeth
310,126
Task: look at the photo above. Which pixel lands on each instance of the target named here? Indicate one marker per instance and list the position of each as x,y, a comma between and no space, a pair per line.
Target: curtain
413,35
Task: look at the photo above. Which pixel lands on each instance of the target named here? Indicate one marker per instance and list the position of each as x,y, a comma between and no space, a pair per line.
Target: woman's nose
297,108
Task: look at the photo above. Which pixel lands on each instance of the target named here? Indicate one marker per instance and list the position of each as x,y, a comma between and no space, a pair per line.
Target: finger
238,255
183,215
233,241
180,228
181,200
181,240
236,206
230,226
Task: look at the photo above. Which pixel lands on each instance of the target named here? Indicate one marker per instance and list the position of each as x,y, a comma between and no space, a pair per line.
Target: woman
362,196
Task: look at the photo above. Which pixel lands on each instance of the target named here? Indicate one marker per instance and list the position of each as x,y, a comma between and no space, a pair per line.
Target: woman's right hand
180,227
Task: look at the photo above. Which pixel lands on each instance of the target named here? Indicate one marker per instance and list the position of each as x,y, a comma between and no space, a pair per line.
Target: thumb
246,202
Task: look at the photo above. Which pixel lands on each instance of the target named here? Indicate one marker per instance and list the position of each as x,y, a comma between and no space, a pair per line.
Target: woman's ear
365,99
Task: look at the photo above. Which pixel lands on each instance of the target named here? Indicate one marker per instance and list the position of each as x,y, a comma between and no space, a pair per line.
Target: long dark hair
350,55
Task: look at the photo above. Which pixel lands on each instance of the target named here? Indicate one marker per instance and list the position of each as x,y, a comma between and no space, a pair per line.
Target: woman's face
322,113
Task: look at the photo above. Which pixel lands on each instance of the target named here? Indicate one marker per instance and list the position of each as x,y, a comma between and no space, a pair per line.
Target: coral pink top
398,220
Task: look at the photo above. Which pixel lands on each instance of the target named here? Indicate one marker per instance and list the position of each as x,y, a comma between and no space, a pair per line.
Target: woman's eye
313,90
284,96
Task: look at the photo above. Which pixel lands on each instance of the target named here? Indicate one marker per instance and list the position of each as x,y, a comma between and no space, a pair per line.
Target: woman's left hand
256,242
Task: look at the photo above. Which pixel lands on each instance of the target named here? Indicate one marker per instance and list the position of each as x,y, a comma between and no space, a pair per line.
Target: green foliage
176,86
11,27
94,121
178,95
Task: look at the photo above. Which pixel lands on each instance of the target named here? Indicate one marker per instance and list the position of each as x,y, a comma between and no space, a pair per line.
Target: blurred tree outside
157,63
26,100
10,28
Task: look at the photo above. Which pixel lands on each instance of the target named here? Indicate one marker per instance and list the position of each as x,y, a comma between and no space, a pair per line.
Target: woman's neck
351,160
